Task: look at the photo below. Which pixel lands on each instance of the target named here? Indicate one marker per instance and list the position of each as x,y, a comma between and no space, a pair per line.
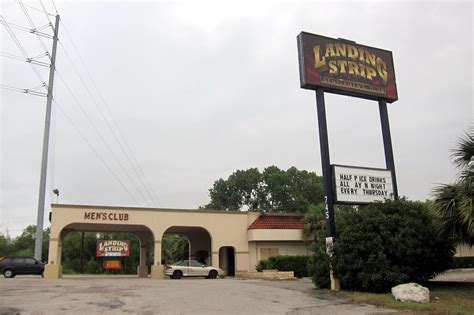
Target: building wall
289,248
464,250
225,228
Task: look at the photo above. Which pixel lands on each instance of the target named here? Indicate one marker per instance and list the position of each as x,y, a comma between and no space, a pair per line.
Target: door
196,268
31,266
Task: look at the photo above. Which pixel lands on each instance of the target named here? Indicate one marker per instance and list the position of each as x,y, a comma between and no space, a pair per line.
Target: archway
227,260
199,242
79,235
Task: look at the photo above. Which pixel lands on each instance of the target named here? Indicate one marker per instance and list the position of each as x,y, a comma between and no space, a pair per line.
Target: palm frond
464,151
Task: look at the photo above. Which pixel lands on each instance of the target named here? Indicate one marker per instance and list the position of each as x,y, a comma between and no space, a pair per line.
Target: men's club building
234,241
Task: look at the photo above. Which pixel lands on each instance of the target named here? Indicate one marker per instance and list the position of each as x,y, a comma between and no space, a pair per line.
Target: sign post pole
387,144
326,166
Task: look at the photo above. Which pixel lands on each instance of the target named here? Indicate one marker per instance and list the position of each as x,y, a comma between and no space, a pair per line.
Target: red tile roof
277,222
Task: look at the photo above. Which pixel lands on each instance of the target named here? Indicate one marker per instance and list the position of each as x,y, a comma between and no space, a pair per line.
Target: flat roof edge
97,207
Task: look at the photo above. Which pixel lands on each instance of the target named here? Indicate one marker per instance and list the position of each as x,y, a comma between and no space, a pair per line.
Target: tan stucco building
232,240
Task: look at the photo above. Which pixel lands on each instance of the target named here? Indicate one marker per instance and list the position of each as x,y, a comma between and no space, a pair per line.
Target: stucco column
215,259
157,268
142,269
54,270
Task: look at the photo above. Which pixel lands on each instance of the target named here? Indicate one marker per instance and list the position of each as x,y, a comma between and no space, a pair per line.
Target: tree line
448,218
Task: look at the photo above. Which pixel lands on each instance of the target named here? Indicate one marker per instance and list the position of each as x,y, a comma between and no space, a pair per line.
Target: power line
46,13
108,124
31,91
94,150
140,172
33,8
29,30
100,135
54,5
30,60
33,25
20,47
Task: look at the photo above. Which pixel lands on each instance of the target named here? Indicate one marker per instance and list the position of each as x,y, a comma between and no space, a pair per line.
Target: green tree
272,190
381,245
5,244
454,203
175,247
24,244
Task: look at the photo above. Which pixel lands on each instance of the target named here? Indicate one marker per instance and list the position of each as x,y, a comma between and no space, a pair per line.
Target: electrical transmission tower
44,157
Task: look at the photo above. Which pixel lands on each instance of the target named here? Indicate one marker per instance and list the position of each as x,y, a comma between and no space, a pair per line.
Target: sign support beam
387,144
326,166
325,161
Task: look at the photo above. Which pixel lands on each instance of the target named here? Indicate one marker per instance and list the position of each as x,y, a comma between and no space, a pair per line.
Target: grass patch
445,298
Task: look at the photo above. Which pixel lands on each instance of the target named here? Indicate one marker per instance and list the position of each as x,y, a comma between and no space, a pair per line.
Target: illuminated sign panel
112,264
344,67
112,248
361,185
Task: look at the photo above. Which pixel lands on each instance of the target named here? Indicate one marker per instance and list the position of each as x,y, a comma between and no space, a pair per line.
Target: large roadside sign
361,185
345,67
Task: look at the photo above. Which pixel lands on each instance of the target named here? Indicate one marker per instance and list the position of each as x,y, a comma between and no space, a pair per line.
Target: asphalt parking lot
131,295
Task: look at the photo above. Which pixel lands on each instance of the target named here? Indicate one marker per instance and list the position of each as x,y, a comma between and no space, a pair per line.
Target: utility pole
44,158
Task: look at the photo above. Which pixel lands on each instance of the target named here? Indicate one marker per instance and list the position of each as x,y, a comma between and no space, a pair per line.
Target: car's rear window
18,260
5,260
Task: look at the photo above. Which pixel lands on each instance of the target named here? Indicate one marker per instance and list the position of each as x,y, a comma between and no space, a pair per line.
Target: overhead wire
100,135
39,10
104,141
71,122
134,168
46,13
31,91
139,172
20,47
54,5
33,26
30,60
29,30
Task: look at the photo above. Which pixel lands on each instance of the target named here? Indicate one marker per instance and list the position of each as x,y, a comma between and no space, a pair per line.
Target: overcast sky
201,89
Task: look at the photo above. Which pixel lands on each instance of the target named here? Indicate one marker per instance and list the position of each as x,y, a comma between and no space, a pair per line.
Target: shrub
384,244
262,264
297,264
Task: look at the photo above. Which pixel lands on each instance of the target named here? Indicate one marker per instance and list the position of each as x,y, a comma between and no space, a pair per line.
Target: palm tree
454,203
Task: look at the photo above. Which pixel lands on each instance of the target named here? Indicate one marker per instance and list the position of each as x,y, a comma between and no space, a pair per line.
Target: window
18,260
194,263
30,261
265,253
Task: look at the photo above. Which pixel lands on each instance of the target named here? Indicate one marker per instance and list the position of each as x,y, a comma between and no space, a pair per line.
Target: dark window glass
194,263
18,260
30,261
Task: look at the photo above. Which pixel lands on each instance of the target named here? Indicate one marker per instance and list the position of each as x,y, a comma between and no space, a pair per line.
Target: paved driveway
117,295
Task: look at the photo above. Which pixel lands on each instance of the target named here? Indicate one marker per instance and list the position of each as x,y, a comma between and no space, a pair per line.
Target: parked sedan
191,268
11,266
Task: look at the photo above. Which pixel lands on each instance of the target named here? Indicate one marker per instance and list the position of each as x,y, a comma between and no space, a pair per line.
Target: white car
191,268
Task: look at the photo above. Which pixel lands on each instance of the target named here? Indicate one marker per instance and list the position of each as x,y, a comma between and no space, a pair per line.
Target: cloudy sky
200,89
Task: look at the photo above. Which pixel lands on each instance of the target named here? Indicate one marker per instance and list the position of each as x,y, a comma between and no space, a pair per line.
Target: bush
297,264
382,245
462,262
318,266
